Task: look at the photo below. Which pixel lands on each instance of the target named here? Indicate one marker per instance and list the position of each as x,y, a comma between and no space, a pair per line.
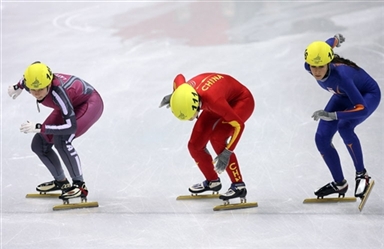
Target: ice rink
135,159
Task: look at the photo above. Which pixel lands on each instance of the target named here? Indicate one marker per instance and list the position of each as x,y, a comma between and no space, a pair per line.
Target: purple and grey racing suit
76,107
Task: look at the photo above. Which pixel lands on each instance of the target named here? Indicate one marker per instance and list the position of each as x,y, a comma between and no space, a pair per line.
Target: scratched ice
135,159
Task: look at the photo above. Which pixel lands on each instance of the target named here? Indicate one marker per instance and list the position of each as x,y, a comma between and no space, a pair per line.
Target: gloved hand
14,91
30,127
327,116
166,101
340,39
222,160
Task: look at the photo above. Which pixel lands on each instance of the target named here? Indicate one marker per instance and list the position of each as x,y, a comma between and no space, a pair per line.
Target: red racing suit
226,104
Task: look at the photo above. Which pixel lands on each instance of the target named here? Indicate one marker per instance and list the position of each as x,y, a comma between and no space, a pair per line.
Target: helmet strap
37,104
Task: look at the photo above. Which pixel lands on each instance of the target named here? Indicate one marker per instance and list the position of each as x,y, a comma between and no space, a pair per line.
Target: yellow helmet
38,76
184,102
318,53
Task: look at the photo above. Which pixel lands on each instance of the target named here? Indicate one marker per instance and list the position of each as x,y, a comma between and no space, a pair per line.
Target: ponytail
340,60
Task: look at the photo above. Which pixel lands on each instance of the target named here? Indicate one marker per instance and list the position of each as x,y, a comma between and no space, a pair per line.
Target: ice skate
198,188
332,188
362,183
47,189
237,190
214,186
53,186
78,189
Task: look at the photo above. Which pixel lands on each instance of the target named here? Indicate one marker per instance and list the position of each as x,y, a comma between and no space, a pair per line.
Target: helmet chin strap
37,104
327,73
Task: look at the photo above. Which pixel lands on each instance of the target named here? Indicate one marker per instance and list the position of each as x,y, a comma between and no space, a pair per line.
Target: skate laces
362,175
198,185
339,186
213,184
237,186
208,184
63,185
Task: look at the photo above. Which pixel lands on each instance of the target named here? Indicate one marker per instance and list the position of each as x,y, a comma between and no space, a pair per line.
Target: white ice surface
135,159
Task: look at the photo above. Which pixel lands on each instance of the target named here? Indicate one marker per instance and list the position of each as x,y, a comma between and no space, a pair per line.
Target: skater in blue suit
355,96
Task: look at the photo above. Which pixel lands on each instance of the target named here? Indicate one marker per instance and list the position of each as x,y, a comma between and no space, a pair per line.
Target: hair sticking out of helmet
38,76
185,102
318,53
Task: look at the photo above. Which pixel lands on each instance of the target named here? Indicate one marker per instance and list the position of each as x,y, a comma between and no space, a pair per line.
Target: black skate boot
78,189
214,186
53,186
332,188
362,183
236,190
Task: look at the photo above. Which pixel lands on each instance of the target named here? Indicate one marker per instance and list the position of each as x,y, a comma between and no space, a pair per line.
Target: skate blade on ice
76,205
364,199
330,199
197,196
235,206
43,195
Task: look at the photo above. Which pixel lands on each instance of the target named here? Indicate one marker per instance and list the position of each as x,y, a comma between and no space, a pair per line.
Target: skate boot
362,183
332,188
53,186
78,189
236,190
214,186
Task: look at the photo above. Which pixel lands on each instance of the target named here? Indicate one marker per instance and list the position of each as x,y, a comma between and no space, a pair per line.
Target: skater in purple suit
76,107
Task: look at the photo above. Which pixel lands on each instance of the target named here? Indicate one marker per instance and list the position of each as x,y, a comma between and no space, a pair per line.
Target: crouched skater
355,96
225,105
76,107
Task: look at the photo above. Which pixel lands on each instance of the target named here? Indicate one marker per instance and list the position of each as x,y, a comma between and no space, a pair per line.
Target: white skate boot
53,186
362,183
214,186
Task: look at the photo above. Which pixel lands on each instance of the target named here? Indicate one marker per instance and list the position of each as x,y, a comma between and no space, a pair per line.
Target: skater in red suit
76,107
225,105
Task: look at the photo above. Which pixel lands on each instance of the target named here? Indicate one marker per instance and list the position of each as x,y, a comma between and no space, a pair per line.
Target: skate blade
330,199
76,205
192,197
364,199
43,195
235,206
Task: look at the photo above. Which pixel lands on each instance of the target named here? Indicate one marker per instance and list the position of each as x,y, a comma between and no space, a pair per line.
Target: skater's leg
346,130
86,115
219,138
63,144
198,142
48,156
323,139
223,131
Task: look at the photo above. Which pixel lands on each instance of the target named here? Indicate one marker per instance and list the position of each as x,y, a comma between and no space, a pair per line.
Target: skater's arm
335,41
15,90
359,105
70,124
